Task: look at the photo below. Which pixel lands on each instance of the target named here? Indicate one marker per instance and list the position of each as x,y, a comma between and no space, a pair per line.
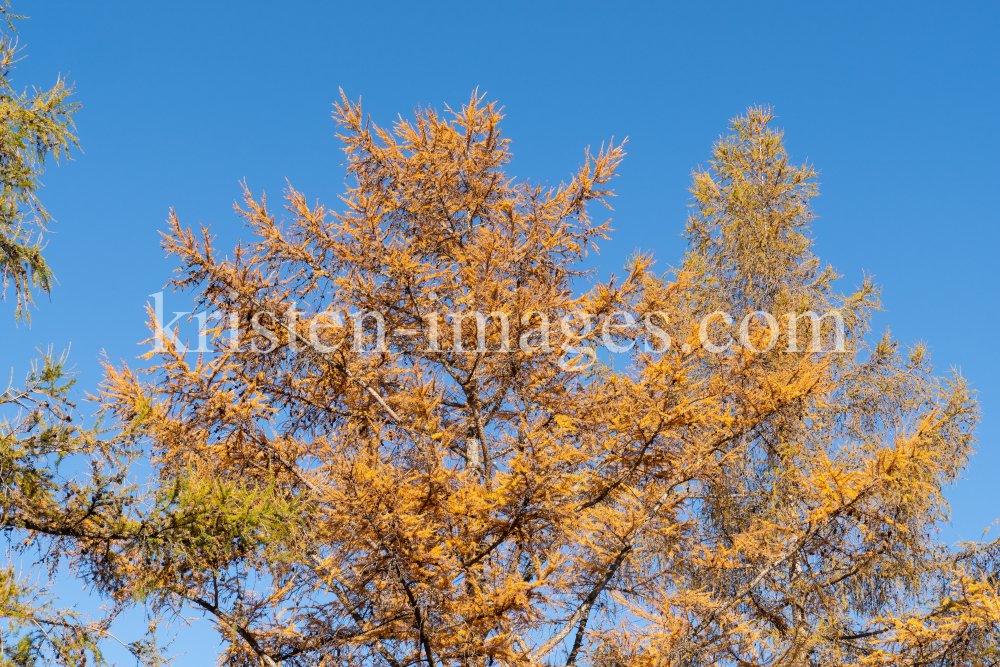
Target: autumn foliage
445,500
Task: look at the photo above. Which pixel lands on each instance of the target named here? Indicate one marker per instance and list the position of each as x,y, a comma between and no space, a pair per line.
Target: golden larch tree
406,445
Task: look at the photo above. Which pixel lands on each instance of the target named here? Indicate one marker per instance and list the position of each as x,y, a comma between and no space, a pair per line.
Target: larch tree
60,481
405,445
32,128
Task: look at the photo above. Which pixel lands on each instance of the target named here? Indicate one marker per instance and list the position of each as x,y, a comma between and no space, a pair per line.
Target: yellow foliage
466,506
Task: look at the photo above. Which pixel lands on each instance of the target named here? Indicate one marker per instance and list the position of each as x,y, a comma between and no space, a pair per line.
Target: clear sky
895,103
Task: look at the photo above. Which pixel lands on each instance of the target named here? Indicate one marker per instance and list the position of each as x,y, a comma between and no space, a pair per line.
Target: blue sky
895,103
